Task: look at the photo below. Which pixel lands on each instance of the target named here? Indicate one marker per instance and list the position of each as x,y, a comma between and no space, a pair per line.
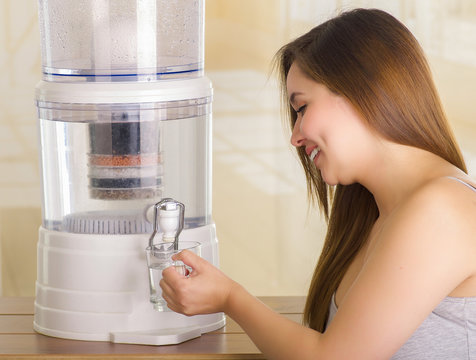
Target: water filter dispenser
124,114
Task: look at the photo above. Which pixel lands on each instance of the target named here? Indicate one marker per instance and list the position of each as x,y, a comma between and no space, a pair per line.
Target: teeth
314,153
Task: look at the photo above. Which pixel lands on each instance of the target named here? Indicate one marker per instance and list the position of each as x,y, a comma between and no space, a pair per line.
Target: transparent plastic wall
124,113
121,40
103,165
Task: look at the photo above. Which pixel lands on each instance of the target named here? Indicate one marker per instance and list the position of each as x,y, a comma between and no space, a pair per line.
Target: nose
297,139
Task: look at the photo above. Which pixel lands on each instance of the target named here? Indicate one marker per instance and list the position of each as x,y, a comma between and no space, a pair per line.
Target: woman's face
329,129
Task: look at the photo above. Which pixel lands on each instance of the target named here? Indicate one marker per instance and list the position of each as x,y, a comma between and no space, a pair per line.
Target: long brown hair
373,60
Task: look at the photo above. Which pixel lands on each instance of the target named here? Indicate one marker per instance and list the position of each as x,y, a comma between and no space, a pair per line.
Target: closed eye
301,110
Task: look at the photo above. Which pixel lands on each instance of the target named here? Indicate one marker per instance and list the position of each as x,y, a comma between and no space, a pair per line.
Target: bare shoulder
423,252
448,199
439,217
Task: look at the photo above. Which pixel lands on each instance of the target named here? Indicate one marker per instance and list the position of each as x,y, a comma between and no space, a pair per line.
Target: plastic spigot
168,218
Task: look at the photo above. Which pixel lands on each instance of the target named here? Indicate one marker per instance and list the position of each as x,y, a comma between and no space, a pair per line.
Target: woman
380,159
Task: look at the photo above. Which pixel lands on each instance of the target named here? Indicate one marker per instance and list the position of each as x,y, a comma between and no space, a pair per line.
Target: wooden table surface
18,340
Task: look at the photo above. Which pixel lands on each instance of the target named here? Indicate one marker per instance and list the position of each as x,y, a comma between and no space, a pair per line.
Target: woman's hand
205,291
208,290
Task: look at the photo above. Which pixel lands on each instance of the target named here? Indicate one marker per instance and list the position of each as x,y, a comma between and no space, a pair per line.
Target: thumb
190,259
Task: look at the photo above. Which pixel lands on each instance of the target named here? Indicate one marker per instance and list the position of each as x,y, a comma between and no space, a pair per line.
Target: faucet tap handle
168,218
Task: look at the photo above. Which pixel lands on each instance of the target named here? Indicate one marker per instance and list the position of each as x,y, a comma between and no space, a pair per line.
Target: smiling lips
314,153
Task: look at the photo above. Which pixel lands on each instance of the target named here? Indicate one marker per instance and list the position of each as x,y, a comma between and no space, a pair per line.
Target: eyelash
301,109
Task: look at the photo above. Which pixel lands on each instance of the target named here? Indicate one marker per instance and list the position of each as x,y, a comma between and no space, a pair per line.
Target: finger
171,296
172,306
166,288
168,292
170,302
191,259
171,276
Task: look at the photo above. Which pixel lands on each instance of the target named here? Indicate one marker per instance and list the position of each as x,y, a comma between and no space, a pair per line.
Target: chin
329,180
334,180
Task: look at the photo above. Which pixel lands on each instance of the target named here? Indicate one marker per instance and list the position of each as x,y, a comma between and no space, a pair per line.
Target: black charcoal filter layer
124,159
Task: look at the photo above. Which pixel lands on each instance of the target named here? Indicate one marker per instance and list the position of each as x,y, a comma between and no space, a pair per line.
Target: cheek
353,146
343,139
311,124
307,126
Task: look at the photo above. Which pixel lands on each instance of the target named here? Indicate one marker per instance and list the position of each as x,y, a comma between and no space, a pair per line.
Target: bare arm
424,252
418,260
208,290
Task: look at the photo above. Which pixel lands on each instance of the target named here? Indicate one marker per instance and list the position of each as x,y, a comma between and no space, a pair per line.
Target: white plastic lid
123,92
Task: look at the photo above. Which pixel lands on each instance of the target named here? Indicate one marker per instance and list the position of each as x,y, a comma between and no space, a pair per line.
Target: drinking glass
159,257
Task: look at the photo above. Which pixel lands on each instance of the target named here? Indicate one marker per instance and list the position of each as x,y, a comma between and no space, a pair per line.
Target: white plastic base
95,287
157,337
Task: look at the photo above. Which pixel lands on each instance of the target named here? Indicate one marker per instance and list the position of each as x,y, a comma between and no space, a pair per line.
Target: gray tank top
448,333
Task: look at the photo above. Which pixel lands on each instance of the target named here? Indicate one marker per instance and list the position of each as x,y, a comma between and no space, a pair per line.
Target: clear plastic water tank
110,150
121,40
124,121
